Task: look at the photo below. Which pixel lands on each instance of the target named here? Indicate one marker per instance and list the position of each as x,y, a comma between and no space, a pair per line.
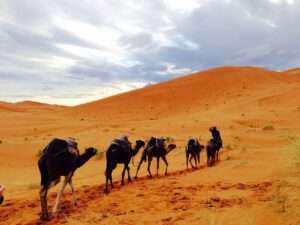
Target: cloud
76,51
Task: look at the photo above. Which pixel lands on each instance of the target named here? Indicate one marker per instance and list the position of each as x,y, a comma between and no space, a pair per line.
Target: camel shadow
87,193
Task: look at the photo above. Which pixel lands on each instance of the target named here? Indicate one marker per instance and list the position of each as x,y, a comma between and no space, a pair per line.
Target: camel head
171,147
91,151
83,158
139,144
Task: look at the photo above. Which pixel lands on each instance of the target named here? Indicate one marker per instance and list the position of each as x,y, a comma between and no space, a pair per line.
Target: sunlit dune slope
224,87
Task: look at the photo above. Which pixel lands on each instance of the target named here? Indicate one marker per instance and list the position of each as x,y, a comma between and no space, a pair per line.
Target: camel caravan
63,158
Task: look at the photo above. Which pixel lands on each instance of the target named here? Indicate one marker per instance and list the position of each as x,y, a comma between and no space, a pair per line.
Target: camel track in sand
177,197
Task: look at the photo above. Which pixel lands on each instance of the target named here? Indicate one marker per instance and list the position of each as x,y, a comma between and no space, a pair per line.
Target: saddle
124,145
217,143
193,142
58,146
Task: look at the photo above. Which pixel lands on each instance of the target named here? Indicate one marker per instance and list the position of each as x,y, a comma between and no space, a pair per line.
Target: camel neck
82,159
169,150
135,150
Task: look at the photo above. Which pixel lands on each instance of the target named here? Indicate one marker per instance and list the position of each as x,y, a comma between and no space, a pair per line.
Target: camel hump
119,142
72,142
194,142
212,143
160,142
124,144
152,141
55,146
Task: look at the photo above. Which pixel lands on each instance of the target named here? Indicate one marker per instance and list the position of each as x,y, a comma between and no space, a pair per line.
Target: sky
75,51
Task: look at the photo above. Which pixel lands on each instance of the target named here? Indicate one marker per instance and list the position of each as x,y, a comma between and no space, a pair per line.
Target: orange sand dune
28,106
191,93
255,182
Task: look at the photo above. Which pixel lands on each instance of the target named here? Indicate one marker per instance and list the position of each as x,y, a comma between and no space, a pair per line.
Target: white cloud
73,51
290,2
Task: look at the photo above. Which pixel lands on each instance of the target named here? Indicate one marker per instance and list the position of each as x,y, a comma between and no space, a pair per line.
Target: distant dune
195,92
28,106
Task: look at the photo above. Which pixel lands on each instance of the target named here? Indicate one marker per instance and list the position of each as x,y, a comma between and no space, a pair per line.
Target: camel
192,151
155,148
2,188
56,161
212,148
216,135
120,154
152,141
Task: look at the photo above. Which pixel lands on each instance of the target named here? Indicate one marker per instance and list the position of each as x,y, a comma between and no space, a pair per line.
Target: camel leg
198,158
128,174
44,205
123,174
73,192
207,161
110,179
214,159
218,154
108,174
187,159
190,160
59,194
195,159
166,162
157,166
149,165
106,182
138,167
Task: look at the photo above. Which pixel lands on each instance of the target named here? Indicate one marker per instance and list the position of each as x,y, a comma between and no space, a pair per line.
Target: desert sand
256,181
